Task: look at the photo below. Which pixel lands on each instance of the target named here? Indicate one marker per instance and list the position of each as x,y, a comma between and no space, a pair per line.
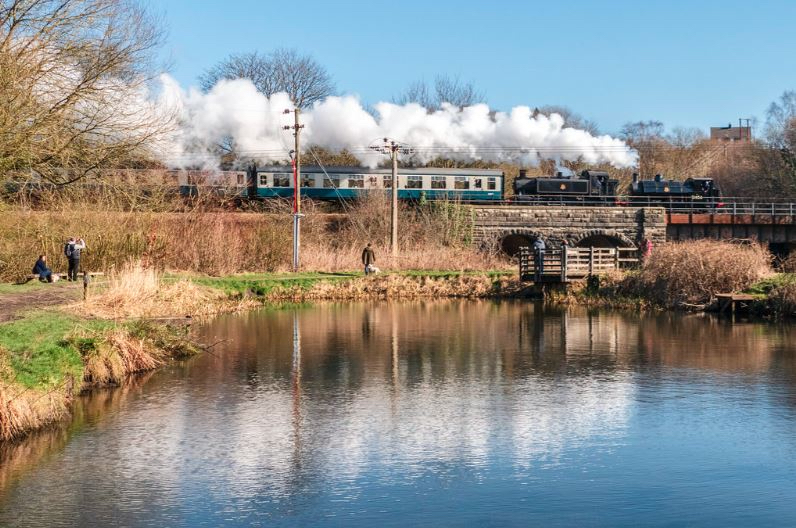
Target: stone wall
626,226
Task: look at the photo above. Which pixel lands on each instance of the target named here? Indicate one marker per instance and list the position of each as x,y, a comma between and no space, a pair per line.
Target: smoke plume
234,112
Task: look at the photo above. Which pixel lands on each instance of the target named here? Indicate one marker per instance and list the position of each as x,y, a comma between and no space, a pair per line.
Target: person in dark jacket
72,251
539,248
40,268
368,258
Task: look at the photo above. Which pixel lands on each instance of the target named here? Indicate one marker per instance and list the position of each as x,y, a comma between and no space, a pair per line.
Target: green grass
33,285
263,283
763,287
36,349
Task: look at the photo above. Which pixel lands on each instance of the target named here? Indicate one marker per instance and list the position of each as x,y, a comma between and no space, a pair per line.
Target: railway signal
296,159
392,149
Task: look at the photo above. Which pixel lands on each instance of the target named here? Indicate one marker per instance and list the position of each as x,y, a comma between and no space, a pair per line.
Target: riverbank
58,346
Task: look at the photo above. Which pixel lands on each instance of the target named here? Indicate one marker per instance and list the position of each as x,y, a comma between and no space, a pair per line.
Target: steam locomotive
588,183
597,186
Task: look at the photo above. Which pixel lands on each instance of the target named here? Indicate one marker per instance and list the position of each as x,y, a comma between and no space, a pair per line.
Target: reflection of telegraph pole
393,148
296,159
295,372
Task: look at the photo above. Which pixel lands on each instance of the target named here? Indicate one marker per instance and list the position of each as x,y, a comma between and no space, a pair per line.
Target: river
436,413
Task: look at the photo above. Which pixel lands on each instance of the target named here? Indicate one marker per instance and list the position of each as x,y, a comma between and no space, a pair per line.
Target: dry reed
400,287
692,272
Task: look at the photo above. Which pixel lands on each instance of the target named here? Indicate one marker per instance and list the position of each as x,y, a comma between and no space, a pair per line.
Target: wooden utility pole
297,126
393,148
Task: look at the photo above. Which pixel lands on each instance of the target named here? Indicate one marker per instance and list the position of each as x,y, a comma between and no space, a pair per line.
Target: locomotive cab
704,187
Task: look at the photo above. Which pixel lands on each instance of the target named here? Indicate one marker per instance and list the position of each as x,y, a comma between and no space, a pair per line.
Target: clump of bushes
782,299
691,272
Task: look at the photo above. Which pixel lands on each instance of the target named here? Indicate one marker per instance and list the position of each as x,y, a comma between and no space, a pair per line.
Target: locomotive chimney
523,173
635,177
559,174
658,177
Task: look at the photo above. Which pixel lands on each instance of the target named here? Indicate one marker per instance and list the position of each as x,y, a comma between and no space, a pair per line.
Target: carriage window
356,181
331,183
240,179
282,179
263,180
462,182
439,182
414,182
491,184
387,181
308,181
478,183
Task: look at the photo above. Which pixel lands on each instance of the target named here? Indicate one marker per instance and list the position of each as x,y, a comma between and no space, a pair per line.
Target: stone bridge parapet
616,226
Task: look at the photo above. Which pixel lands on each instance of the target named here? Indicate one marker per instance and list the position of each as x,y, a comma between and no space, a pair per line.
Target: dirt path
13,303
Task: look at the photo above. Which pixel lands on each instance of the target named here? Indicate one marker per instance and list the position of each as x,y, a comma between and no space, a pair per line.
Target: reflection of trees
18,457
404,386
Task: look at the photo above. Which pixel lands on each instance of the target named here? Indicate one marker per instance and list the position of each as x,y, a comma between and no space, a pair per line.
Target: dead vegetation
401,287
691,272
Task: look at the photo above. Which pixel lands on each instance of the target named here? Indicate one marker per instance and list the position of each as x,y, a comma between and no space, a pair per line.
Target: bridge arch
602,239
510,242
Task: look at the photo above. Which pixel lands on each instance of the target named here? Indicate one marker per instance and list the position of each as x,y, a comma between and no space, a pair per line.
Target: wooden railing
570,263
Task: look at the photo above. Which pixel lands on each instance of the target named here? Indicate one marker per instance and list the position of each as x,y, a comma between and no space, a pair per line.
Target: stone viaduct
509,227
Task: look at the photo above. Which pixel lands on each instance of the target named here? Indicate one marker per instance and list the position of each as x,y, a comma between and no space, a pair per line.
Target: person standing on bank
538,250
72,251
368,258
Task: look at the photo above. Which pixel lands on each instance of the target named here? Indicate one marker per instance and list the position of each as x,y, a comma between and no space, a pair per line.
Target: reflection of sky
440,409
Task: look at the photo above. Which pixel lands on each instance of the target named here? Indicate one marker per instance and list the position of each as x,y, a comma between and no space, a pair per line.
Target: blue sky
695,64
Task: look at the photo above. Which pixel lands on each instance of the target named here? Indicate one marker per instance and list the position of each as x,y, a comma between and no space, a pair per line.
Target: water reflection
352,410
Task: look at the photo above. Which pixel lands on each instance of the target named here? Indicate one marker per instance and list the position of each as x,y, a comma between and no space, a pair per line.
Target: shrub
692,272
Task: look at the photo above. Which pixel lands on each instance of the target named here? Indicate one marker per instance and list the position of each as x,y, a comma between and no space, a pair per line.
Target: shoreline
48,356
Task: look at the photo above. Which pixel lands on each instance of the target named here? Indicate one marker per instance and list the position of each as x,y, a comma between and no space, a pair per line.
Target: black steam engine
592,186
658,187
588,183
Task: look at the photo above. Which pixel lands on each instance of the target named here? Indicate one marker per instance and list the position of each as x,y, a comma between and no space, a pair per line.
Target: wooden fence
568,264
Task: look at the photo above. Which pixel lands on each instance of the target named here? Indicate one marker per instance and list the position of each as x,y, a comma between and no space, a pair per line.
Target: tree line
69,70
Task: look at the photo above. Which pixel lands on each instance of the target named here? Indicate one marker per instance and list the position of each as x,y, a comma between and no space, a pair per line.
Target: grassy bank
47,357
687,276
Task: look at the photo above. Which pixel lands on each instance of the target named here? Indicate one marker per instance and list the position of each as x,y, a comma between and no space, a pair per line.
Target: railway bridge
511,226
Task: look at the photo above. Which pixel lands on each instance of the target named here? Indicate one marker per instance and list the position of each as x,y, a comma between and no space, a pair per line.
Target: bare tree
647,138
571,118
781,121
283,70
72,80
446,90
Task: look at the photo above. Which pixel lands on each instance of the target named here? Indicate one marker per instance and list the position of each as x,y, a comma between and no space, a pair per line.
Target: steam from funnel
234,111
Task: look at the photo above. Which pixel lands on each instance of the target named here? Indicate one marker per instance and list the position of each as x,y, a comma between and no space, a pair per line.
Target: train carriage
351,182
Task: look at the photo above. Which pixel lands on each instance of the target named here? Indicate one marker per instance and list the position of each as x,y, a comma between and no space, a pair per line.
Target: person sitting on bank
40,268
368,258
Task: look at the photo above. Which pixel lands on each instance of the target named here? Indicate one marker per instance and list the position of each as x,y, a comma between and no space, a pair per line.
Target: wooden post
591,260
563,263
616,258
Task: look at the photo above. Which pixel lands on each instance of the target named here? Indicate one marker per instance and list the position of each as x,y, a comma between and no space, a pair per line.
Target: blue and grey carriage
338,183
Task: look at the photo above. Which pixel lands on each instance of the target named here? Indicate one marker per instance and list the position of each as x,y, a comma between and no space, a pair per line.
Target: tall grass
692,272
432,236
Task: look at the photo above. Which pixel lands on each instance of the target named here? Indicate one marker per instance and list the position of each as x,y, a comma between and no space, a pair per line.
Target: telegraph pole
393,148
296,127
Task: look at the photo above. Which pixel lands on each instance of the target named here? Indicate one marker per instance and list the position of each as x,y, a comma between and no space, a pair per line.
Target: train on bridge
467,185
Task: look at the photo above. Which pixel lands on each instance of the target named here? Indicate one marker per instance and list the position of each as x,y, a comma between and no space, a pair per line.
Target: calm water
432,413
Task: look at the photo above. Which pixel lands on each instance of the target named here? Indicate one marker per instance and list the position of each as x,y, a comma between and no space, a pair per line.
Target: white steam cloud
235,109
